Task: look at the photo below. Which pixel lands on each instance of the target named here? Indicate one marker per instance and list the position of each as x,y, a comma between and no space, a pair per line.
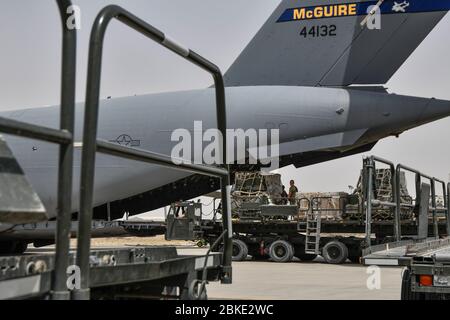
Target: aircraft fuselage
309,119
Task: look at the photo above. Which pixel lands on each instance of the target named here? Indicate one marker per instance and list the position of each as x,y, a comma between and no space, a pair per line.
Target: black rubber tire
194,293
306,257
12,247
406,293
335,252
240,250
355,259
281,251
258,257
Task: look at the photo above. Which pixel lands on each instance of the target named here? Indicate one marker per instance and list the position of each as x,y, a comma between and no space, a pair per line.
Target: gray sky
219,30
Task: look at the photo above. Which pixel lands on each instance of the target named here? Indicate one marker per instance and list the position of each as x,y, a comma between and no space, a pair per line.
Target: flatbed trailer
427,266
280,235
426,257
382,228
351,233
81,273
115,273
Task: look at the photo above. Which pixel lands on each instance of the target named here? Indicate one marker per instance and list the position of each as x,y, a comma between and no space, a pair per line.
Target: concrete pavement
305,280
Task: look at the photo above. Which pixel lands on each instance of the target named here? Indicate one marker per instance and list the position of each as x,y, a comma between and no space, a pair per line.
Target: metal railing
368,193
91,145
395,204
64,138
418,177
447,205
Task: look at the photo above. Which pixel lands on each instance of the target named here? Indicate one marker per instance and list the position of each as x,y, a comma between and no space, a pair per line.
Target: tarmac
296,280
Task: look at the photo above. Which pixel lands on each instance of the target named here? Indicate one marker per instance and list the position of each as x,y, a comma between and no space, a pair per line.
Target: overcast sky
219,30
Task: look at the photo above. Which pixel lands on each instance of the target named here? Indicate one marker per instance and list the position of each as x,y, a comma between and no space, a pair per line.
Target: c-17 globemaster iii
314,71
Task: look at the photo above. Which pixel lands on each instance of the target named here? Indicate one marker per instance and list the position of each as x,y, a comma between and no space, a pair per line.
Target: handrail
91,145
419,175
368,172
447,204
32,131
156,158
63,137
65,169
369,165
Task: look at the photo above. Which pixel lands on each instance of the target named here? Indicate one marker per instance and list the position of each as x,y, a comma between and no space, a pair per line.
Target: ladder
313,225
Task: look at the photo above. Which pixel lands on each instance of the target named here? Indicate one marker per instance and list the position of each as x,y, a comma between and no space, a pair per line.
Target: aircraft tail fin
323,43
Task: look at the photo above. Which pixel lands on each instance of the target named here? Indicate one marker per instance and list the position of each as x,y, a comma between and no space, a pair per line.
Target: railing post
226,276
369,165
434,212
396,198
90,144
67,121
447,205
398,201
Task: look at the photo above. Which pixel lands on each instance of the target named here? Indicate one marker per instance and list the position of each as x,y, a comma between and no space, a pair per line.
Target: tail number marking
319,31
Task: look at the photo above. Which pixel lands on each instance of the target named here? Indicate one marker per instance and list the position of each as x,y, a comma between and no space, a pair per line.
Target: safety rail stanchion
90,143
395,200
433,208
443,209
67,123
419,175
368,173
447,205
63,137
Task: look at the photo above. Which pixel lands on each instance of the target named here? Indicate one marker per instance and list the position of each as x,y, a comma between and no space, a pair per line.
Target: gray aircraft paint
309,118
278,55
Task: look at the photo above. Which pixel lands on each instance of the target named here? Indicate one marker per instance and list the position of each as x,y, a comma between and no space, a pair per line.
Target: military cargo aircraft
315,71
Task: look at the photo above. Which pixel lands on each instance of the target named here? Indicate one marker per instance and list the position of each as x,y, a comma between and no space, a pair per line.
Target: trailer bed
404,253
29,275
381,228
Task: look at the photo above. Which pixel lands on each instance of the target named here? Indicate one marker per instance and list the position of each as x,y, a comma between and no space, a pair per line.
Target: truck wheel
406,293
355,259
240,250
258,257
306,257
281,251
197,291
335,252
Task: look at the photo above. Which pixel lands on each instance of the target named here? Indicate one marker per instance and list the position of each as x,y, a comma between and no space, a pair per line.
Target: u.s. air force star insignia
126,140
